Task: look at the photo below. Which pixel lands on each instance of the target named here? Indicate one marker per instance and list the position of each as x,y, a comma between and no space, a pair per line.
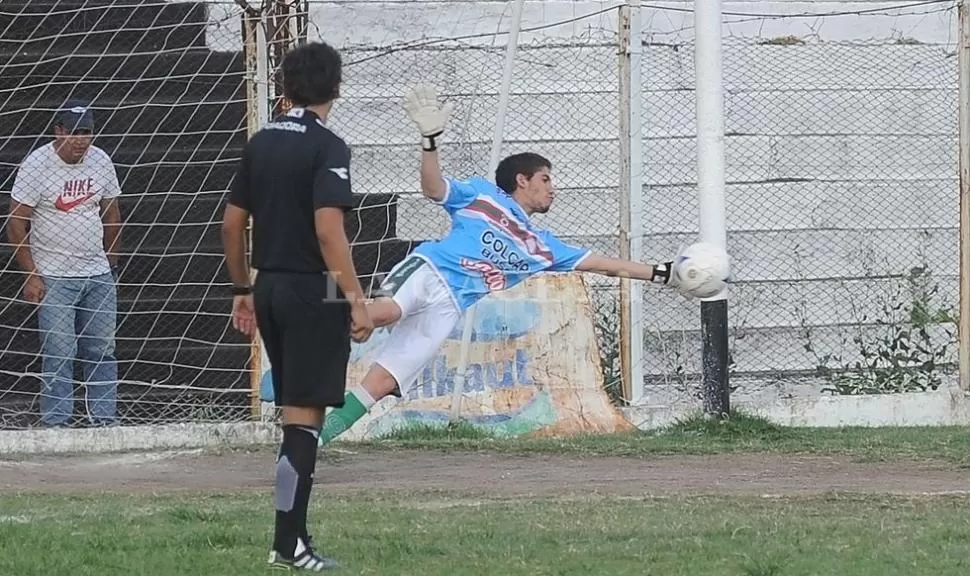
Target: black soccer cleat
304,558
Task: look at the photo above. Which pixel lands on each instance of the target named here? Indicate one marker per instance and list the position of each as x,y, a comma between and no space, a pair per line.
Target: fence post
257,114
495,153
631,198
286,22
300,21
250,24
963,59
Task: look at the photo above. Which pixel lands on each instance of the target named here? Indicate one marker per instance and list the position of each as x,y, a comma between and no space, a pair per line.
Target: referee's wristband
242,290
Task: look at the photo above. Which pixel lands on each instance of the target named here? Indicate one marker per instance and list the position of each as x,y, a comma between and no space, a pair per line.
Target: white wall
841,153
387,22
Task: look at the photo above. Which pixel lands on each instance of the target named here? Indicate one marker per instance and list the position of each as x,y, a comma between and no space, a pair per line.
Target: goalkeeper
493,245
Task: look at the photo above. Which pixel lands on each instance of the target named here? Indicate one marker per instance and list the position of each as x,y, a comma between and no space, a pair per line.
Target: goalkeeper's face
540,192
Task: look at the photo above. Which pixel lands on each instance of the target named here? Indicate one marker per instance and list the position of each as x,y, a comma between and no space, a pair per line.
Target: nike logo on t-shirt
65,205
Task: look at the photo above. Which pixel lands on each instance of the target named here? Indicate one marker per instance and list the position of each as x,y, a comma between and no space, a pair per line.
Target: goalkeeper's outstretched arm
421,104
432,181
617,267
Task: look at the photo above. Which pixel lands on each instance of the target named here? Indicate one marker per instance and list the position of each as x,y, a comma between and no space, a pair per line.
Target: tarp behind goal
533,368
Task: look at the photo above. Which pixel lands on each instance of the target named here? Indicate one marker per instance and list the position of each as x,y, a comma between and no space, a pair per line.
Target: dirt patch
495,475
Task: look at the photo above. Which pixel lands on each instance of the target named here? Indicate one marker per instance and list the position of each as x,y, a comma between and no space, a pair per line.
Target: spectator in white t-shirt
66,191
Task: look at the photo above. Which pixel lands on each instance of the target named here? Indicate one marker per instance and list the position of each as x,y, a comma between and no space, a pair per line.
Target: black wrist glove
662,272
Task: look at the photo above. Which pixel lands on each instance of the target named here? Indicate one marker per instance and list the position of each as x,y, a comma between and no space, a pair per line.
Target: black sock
295,466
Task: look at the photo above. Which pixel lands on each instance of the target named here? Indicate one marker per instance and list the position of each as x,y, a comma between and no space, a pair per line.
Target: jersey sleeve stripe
580,260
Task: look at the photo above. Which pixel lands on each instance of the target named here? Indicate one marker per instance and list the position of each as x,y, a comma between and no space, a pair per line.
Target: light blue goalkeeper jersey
492,245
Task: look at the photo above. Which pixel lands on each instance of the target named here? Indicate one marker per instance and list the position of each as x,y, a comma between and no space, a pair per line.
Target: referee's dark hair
312,74
527,163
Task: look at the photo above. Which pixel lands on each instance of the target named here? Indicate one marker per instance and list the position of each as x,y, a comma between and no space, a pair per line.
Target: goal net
165,83
168,85
841,198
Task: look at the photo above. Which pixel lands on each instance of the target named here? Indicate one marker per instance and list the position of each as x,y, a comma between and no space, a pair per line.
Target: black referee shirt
289,169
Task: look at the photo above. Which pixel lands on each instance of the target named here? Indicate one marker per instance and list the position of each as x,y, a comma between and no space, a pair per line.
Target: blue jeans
77,318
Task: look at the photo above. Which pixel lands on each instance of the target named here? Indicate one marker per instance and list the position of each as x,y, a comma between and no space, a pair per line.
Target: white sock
364,396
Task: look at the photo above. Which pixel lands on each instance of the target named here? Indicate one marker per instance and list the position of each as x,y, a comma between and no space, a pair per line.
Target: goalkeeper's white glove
421,104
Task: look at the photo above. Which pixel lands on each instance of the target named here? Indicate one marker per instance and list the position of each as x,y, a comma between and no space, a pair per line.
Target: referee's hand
244,314
361,325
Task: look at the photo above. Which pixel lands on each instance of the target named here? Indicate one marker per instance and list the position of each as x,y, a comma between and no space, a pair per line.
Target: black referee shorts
306,337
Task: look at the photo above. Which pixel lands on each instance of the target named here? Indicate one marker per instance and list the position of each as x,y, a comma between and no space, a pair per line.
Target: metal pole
631,198
250,25
497,134
710,190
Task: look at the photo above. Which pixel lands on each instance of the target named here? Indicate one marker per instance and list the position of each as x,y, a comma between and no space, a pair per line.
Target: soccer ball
701,270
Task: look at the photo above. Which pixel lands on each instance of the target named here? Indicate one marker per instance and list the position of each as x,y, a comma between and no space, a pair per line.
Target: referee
294,180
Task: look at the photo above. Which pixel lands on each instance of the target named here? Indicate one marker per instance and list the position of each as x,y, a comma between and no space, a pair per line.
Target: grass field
435,534
541,529
740,434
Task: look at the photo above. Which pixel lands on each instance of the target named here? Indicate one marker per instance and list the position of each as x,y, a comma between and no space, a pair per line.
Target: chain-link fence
842,213
563,104
841,189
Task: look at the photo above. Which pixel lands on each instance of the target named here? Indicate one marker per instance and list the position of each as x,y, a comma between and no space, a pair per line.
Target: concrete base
943,407
166,437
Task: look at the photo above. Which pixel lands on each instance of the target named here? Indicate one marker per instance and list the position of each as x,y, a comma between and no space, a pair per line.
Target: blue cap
75,115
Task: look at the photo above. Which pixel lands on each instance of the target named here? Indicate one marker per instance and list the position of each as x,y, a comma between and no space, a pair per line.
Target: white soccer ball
702,270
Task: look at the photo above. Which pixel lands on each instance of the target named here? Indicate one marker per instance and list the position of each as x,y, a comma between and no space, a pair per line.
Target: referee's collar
297,112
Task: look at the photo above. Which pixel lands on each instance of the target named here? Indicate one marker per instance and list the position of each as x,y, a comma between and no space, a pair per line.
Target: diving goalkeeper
492,246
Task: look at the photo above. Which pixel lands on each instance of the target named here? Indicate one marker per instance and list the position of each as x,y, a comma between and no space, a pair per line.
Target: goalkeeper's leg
383,311
412,344
427,316
377,384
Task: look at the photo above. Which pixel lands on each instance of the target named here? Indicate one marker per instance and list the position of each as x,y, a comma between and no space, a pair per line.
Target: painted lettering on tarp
506,321
438,378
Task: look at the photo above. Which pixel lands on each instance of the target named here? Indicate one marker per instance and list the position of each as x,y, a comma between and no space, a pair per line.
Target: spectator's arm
24,197
111,218
17,227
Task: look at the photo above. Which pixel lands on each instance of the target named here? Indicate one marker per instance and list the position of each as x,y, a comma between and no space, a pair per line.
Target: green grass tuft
450,432
739,425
